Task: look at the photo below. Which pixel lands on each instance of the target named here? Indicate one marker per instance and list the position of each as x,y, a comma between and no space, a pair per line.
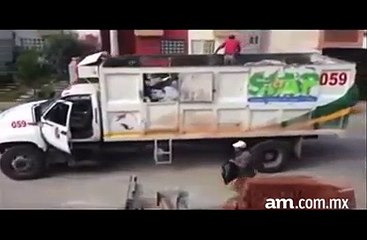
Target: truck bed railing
202,60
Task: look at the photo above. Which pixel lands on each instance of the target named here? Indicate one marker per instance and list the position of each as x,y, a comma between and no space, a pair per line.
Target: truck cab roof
81,89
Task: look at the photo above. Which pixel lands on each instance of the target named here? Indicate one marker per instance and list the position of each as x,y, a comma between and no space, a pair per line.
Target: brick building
144,42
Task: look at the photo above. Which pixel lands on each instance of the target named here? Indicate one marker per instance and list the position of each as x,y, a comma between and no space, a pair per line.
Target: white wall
6,34
6,48
199,35
283,41
203,35
242,35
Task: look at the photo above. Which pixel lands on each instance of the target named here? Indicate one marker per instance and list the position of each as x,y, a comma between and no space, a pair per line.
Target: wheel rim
272,158
21,164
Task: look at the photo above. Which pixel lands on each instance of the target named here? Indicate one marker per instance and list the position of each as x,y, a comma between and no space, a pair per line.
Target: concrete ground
197,171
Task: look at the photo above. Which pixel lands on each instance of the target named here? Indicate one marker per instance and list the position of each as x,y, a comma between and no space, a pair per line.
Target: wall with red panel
126,39
341,39
105,40
176,34
148,45
152,45
142,45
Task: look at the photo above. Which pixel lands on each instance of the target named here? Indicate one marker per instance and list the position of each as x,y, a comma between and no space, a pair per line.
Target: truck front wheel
23,162
271,156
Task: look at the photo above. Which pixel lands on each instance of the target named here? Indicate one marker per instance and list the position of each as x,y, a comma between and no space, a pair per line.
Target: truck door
197,114
161,97
55,125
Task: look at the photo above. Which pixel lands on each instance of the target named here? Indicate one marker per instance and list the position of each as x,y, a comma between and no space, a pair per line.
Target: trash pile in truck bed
253,193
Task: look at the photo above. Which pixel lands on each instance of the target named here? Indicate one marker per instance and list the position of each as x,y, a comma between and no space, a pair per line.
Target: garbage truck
271,101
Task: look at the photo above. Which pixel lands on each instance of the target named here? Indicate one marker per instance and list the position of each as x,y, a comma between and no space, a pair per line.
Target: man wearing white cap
241,166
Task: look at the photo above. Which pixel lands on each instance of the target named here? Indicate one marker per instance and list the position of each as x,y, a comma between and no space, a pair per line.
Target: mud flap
298,148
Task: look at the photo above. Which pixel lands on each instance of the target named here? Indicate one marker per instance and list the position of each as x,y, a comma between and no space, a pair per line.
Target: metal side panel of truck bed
252,100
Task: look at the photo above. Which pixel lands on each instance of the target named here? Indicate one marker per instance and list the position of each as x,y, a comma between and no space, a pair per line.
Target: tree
91,40
60,48
32,71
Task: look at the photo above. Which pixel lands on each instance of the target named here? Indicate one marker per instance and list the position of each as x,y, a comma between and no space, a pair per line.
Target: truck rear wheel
271,156
23,163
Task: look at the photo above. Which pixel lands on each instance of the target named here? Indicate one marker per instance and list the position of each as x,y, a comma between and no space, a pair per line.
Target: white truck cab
272,105
34,127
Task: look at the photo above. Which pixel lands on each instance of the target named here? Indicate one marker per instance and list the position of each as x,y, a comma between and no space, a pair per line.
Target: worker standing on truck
232,47
241,166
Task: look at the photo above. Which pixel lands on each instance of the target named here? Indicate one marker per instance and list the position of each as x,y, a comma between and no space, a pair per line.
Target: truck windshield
44,106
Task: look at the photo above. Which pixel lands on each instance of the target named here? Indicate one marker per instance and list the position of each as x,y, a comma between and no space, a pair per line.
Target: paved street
341,160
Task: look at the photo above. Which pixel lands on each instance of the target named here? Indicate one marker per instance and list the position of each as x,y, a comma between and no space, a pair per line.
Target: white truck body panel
88,72
87,67
17,126
214,102
80,89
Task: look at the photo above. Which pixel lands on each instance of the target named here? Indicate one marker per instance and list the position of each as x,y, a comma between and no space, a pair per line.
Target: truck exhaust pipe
114,47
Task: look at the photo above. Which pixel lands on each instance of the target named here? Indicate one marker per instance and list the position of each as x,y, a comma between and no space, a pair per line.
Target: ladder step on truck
163,151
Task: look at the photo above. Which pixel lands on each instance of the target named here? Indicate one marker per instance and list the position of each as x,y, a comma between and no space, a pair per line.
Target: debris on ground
165,200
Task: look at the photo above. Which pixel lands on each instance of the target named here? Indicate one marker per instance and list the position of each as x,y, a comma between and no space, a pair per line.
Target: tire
281,152
26,155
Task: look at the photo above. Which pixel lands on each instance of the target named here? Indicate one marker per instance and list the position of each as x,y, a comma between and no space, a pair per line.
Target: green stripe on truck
348,100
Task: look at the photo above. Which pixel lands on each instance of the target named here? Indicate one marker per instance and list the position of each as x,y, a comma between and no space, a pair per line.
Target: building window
173,47
32,43
202,46
254,40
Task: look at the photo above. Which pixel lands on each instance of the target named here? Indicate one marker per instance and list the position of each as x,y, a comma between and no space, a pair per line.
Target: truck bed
257,98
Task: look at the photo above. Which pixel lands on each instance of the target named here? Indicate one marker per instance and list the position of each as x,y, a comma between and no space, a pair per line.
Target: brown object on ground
252,193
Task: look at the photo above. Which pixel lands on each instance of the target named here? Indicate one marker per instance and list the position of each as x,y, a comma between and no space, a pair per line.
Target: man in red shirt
231,47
